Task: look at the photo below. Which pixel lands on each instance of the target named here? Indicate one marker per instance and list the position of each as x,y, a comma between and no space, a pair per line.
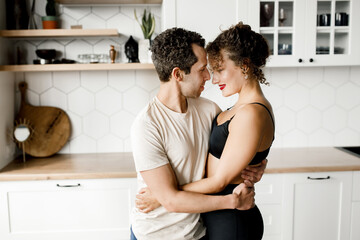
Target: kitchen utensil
51,127
47,54
325,19
32,23
341,19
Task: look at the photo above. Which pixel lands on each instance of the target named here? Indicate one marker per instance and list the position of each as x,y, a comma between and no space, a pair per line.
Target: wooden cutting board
50,127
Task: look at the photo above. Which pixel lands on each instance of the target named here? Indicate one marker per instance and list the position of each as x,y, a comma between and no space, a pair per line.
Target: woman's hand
254,173
145,201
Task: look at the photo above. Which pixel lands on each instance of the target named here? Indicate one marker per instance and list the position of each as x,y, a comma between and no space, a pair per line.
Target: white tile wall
317,106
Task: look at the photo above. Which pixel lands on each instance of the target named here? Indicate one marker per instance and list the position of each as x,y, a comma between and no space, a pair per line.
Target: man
170,142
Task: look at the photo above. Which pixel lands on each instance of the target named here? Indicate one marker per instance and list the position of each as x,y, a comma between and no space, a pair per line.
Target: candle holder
282,17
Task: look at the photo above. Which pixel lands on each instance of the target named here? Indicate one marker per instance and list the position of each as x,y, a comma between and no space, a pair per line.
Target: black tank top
219,134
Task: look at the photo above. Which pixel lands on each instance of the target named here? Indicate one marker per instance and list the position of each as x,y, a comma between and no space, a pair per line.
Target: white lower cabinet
66,209
311,206
317,206
355,208
268,198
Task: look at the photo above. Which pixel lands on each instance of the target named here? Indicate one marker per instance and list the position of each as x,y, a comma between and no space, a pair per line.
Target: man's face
193,83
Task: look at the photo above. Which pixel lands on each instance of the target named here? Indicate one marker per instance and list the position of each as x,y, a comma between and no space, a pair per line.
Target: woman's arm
245,135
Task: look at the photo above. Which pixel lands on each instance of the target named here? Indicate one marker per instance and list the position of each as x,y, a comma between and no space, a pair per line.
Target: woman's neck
250,92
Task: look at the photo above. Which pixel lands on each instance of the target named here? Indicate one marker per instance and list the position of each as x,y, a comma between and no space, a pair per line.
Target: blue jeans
132,236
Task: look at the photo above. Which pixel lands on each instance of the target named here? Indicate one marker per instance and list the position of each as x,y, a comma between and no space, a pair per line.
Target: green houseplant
50,20
147,25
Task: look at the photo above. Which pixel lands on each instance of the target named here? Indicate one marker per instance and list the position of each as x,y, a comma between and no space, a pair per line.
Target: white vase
144,46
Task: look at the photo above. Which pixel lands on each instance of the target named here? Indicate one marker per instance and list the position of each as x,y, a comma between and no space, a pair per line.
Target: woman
241,135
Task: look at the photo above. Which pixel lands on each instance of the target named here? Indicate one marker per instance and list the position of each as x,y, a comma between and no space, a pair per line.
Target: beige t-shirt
160,136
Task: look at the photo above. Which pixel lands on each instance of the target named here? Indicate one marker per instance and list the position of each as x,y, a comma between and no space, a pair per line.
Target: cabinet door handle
320,178
311,60
300,60
67,186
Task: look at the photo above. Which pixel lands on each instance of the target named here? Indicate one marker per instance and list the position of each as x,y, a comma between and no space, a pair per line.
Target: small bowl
46,53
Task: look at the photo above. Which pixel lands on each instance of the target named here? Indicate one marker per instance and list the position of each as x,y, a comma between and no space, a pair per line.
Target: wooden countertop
71,166
121,165
314,159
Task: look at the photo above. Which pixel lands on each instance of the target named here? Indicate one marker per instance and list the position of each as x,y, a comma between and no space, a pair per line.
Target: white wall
7,99
313,106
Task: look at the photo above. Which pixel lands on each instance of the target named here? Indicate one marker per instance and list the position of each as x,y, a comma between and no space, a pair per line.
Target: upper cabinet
308,32
90,2
299,32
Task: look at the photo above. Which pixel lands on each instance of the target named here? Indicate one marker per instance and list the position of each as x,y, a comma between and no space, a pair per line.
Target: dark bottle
17,16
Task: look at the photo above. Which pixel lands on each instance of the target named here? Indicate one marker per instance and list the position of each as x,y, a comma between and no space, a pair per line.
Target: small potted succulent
147,25
50,20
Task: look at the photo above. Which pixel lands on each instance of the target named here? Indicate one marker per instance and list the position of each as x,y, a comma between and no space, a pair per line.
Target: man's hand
145,201
245,195
254,173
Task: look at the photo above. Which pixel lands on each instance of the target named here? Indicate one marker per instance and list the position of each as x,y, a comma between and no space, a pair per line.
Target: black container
341,19
17,16
324,19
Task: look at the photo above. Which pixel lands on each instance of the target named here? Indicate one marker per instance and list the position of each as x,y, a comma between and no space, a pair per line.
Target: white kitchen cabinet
299,40
355,208
268,198
317,206
207,17
66,209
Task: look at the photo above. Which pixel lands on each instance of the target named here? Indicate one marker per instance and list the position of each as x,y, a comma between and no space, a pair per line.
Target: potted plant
50,20
147,25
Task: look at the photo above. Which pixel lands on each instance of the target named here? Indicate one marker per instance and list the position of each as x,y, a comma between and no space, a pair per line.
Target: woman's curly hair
243,46
173,48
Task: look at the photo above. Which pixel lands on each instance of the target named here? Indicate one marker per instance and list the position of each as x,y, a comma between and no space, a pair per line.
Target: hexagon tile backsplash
317,106
321,111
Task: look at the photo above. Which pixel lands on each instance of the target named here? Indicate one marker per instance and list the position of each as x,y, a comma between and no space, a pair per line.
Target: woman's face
228,76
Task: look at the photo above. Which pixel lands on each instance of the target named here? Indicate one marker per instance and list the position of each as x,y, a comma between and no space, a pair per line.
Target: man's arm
163,185
254,173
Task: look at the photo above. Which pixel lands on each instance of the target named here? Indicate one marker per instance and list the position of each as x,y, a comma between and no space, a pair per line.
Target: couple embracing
196,164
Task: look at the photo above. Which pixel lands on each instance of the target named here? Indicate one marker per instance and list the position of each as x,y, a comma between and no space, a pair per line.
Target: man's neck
170,95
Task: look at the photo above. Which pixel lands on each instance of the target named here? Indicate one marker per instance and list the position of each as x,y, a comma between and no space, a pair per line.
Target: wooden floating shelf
76,67
59,33
102,2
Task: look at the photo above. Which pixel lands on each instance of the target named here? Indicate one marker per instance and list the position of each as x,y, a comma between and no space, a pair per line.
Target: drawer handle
67,186
320,178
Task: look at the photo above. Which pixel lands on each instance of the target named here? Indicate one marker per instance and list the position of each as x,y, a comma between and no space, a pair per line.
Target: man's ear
177,74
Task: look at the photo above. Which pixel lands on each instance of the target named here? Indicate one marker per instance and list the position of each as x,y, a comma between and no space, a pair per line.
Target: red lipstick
222,86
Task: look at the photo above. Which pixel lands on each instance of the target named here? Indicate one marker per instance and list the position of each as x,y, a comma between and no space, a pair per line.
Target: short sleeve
147,146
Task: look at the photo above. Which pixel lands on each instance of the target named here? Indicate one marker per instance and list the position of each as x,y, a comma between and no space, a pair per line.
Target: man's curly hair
173,48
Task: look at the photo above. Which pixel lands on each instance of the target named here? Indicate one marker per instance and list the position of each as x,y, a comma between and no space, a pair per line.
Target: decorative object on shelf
341,19
147,25
50,20
50,127
16,14
32,23
282,17
266,13
324,19
46,55
112,53
284,49
22,134
131,50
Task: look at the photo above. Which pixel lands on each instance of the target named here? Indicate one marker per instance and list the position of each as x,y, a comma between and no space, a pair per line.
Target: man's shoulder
146,115
205,104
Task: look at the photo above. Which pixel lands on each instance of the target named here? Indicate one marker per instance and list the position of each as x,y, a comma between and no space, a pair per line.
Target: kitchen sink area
354,150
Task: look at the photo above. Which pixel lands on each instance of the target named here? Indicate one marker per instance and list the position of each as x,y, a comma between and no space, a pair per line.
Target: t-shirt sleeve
147,146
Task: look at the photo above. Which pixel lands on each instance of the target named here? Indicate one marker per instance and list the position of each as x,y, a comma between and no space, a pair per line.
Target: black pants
233,224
